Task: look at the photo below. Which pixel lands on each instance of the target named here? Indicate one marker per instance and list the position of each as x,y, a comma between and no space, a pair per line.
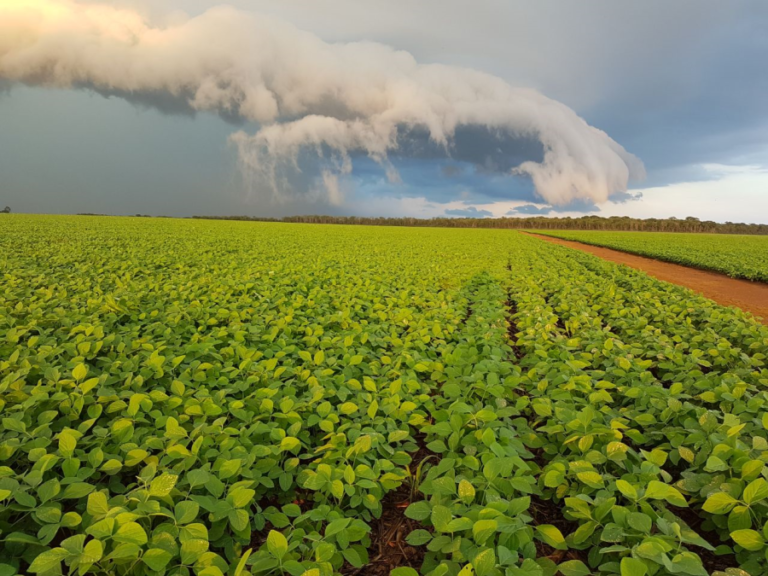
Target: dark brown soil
512,329
388,549
749,296
550,512
710,560
422,453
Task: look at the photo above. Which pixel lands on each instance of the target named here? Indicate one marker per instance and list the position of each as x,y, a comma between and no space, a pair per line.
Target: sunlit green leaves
660,491
231,398
277,544
719,503
749,539
633,567
162,485
552,536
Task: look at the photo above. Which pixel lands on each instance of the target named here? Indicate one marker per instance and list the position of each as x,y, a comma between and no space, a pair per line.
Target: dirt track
749,296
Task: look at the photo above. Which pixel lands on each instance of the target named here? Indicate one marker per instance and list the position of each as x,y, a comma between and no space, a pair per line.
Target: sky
678,88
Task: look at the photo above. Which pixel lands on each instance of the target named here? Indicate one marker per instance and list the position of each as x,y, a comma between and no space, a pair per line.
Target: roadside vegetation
737,256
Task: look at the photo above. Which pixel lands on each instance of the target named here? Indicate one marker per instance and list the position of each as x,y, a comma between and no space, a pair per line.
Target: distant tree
6,210
535,222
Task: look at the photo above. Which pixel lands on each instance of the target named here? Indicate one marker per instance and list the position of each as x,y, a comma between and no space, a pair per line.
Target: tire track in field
749,296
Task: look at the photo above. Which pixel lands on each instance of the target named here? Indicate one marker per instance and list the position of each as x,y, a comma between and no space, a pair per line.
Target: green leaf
14,425
131,533
162,485
583,532
418,511
46,491
156,558
277,544
441,516
348,408
48,514
21,538
243,561
289,443
192,550
404,571
67,443
48,560
755,491
336,526
80,372
92,553
633,567
719,503
240,497
640,522
324,552
466,491
574,568
484,529
71,519
627,489
186,511
97,504
551,535
748,539
418,537
195,531
77,490
659,491
351,556
739,519
125,551
591,479
485,562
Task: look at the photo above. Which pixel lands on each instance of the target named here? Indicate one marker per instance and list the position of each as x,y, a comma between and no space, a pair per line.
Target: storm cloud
302,94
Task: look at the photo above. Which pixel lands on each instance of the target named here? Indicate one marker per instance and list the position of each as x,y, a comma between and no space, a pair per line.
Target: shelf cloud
297,96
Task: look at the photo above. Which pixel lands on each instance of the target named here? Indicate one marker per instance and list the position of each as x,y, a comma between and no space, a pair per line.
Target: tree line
612,223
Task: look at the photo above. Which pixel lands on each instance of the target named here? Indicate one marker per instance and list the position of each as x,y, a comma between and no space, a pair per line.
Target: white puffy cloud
336,99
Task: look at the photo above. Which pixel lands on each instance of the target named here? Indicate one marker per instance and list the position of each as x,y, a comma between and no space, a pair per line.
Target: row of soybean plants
649,401
216,398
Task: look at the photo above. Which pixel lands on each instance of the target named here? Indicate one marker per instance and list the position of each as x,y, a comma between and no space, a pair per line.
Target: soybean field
737,256
212,398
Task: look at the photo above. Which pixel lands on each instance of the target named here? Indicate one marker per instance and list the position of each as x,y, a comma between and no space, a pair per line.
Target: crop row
234,398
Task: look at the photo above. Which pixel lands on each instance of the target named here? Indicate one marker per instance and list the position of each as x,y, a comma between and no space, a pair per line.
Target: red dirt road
749,296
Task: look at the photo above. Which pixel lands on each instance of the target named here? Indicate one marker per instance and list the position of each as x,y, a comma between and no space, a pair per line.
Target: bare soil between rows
749,296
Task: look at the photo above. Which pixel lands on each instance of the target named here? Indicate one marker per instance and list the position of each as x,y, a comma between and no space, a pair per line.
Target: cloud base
333,100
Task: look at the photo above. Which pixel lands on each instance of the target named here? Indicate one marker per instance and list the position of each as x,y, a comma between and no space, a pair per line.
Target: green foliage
737,256
217,398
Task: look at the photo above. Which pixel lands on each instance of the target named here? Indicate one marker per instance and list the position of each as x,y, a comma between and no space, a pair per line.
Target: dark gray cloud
624,197
424,178
530,210
469,212
451,170
583,206
580,206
